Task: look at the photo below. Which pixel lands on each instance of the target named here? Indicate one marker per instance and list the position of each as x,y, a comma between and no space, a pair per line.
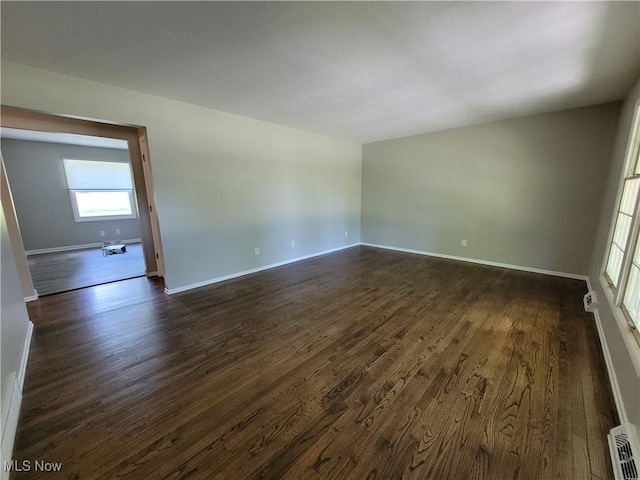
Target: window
100,190
622,267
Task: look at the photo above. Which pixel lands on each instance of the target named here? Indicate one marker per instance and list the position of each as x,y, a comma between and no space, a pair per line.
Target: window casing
622,263
100,190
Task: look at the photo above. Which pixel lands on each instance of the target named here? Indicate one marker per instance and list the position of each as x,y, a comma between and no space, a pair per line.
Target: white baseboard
74,247
613,379
10,424
32,298
152,274
10,418
481,262
25,356
171,291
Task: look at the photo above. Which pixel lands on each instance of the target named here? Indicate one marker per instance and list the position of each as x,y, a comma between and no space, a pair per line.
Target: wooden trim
14,117
13,229
155,222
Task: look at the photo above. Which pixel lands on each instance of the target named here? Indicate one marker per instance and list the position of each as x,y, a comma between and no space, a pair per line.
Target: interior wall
224,184
521,192
38,183
628,377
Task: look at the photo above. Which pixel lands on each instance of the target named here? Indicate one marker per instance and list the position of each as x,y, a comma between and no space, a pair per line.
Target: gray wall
523,192
224,184
39,187
15,321
628,377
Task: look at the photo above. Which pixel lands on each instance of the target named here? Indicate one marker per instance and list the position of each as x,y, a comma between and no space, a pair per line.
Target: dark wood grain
70,270
363,364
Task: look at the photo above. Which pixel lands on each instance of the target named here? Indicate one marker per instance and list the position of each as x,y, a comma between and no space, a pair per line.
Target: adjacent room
74,199
367,240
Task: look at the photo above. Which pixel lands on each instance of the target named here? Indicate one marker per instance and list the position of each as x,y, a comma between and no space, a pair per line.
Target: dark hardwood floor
362,364
63,271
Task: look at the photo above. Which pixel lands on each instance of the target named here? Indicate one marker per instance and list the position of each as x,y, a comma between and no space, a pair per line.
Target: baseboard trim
10,424
171,291
608,361
25,356
613,379
31,298
69,248
481,262
10,420
152,274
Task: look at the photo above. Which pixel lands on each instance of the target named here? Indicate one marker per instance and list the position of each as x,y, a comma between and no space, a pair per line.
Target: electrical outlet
463,243
257,251
117,231
293,243
346,233
102,233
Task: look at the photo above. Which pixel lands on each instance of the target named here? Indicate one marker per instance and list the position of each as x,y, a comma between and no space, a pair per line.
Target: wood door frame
15,237
24,119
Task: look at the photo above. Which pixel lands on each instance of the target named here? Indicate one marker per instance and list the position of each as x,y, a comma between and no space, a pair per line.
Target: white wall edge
10,422
74,247
10,425
171,291
25,356
574,276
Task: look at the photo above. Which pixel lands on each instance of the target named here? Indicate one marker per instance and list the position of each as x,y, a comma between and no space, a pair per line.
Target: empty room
378,240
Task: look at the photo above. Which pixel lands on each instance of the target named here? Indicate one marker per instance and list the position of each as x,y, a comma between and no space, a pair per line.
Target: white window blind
100,190
92,175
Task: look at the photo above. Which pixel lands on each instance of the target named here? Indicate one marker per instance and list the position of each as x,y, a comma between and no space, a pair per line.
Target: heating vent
590,301
623,445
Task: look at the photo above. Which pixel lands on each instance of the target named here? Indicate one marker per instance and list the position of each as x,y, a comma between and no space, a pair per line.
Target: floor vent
623,444
590,301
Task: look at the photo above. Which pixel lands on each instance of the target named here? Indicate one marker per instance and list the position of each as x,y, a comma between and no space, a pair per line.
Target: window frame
128,186
615,294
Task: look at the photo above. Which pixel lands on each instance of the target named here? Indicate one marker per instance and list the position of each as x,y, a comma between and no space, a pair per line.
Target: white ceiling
363,71
65,138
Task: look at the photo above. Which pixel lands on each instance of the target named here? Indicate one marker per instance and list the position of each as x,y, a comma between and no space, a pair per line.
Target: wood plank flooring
362,364
63,271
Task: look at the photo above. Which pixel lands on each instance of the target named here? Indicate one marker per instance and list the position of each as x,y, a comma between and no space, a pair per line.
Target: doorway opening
81,194
75,202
